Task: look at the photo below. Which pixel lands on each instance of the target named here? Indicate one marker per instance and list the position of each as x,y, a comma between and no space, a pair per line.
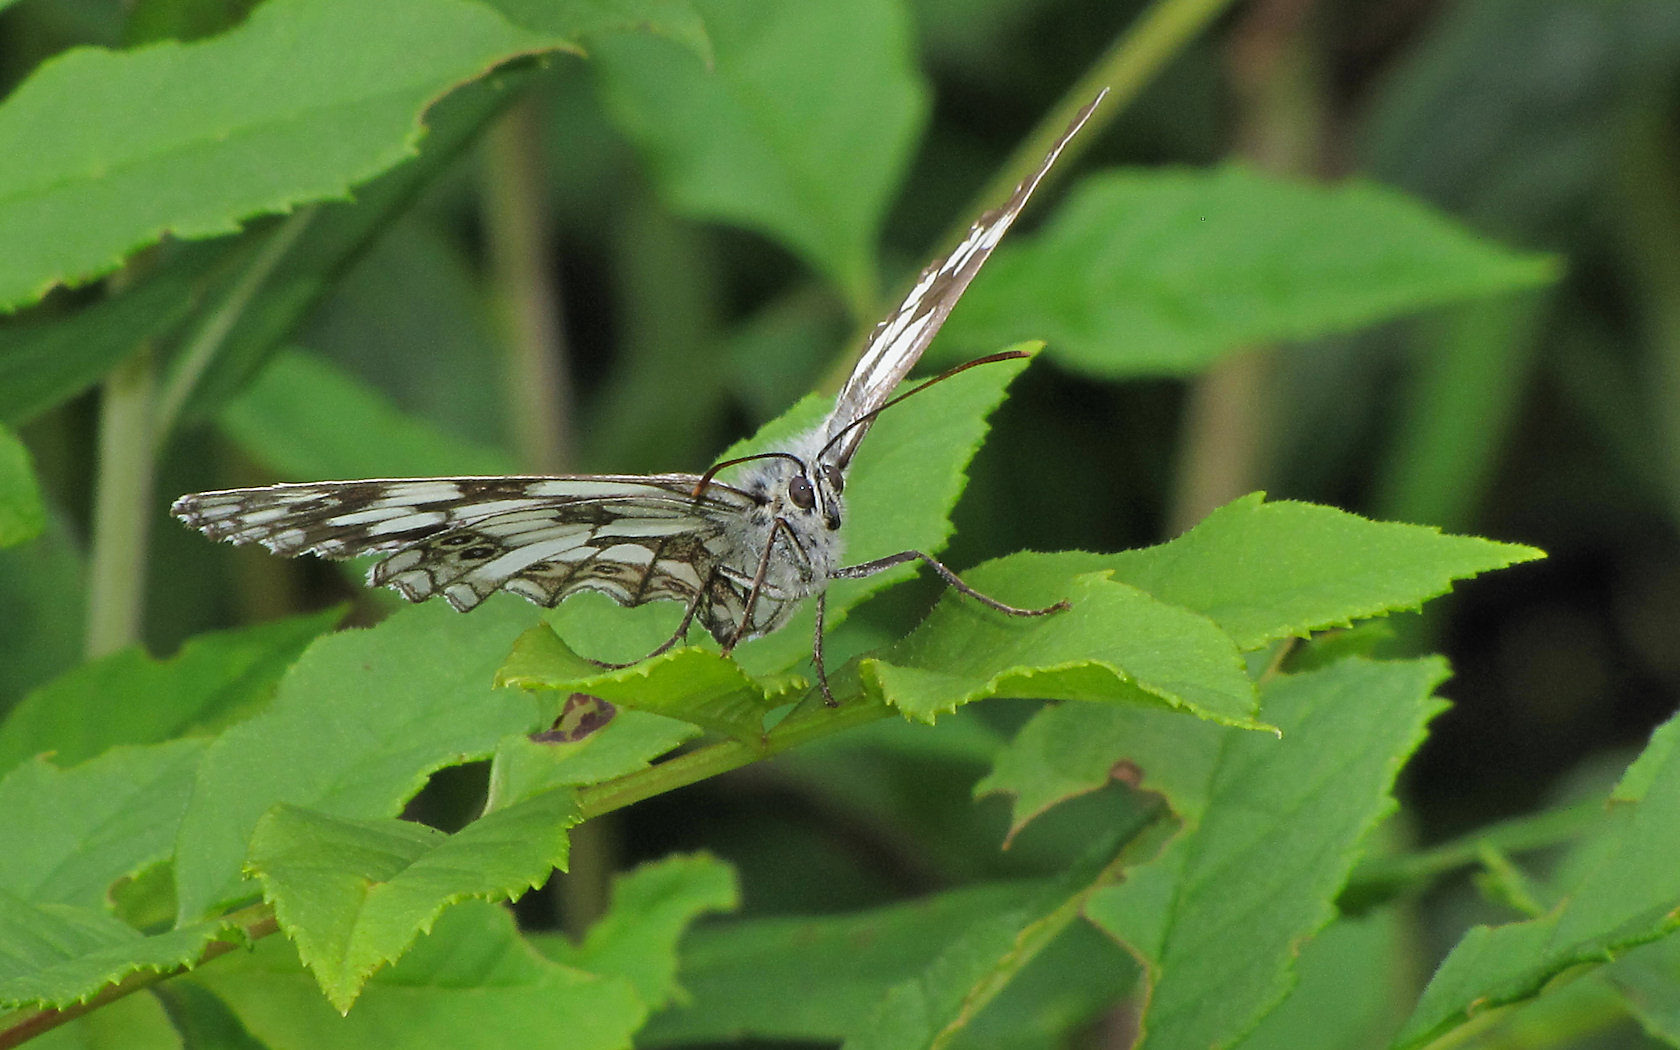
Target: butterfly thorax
796,513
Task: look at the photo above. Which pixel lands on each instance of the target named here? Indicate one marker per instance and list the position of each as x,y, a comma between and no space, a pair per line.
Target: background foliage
1414,260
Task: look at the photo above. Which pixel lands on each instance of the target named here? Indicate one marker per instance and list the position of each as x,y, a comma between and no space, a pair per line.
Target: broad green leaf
523,767
1345,998
590,20
813,977
1265,571
1648,978
201,1018
58,954
800,129
48,358
22,517
188,140
1115,644
134,1022
650,911
695,685
471,984
1162,273
354,894
906,478
1218,917
1071,749
41,587
355,728
1621,889
131,698
71,833
307,419
933,1007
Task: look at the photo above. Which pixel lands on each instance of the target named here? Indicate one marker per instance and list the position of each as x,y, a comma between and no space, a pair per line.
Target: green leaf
1072,749
71,833
187,140
49,358
54,955
1122,281
1268,571
812,978
22,517
523,767
354,894
1115,644
42,589
135,1022
356,727
800,130
1621,889
1218,917
306,418
651,908
471,984
589,20
695,685
130,698
1345,998
934,1006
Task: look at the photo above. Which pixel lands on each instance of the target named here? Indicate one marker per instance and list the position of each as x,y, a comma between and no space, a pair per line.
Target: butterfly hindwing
634,538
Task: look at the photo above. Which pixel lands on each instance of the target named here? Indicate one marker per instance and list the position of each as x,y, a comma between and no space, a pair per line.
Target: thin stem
1136,55
709,761
255,923
524,286
213,331
121,507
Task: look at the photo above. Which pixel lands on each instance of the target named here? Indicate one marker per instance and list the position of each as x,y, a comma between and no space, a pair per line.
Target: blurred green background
1549,417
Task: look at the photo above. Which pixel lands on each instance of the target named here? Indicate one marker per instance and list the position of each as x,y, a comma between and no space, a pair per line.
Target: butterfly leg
870,568
677,636
780,525
817,651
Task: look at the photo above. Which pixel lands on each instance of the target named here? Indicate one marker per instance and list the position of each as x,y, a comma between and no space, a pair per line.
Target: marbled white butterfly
741,556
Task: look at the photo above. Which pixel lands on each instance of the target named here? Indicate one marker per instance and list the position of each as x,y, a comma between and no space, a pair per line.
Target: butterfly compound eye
835,479
800,491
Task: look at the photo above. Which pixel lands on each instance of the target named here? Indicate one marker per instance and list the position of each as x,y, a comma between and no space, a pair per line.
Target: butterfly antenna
711,471
869,417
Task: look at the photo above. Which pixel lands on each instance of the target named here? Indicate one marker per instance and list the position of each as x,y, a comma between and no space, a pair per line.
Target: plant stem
1136,55
1126,68
254,923
121,507
524,285
725,755
1228,420
213,331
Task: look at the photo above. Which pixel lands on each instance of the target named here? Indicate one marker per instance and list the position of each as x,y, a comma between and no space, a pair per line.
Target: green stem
1126,68
724,756
1134,58
523,285
121,507
213,330
254,922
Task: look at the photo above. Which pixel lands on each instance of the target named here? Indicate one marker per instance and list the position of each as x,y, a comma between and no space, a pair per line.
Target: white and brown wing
636,538
898,341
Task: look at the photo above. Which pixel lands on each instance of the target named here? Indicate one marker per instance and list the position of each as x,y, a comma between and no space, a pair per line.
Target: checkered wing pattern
635,538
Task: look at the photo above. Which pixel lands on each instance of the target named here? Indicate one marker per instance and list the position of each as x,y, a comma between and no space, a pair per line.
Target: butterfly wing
636,538
897,342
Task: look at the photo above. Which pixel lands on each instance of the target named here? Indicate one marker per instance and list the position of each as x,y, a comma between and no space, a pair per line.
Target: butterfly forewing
899,340
634,538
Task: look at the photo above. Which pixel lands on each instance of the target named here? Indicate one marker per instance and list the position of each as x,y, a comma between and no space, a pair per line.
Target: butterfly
742,556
